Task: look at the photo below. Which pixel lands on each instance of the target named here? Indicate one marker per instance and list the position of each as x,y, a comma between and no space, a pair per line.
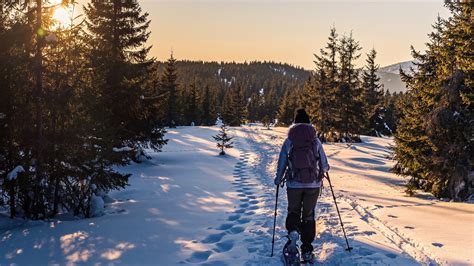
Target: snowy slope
390,76
395,68
189,206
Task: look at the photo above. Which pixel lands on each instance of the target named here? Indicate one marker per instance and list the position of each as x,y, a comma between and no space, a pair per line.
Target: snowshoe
308,258
291,254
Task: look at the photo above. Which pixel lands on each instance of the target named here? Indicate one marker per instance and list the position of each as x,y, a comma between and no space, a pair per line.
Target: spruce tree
254,107
123,121
269,109
170,88
287,108
16,111
321,101
190,106
391,111
320,94
434,137
233,106
208,116
223,139
349,115
372,96
325,84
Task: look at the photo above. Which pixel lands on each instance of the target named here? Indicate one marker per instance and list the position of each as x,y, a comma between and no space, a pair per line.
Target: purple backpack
304,164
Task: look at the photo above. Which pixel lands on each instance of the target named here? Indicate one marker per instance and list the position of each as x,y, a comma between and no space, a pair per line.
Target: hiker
301,164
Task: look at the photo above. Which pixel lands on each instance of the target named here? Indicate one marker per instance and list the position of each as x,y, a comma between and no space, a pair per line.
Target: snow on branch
122,149
14,173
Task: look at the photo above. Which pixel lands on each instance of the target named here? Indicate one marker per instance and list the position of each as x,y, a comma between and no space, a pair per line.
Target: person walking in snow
302,164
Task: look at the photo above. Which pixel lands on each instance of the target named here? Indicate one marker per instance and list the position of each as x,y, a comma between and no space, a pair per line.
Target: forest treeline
78,101
268,92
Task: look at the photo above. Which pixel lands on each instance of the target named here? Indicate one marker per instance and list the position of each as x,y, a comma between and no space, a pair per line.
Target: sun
62,17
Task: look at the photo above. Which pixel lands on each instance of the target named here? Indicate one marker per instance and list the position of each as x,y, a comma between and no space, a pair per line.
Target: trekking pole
274,218
349,248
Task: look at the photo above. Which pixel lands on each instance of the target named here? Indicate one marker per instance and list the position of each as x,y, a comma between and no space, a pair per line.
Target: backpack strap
290,163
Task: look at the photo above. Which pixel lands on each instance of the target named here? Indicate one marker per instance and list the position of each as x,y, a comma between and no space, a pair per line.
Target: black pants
301,204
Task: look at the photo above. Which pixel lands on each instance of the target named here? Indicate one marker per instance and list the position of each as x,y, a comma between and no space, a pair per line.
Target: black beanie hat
301,116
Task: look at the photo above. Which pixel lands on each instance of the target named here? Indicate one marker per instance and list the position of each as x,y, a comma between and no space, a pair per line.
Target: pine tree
320,107
372,96
208,116
16,111
349,115
170,87
434,137
287,108
123,121
53,152
325,84
254,107
223,140
391,112
190,106
233,106
270,106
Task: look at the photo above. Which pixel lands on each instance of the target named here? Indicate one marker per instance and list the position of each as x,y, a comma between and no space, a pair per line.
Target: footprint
252,197
213,238
254,207
199,256
409,227
437,245
243,220
368,233
224,226
237,230
244,205
390,255
253,201
215,263
233,217
249,213
392,216
365,252
252,249
378,206
240,211
224,246
244,200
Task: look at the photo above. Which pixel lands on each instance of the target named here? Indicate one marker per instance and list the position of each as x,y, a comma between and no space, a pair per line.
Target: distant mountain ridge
260,75
390,75
395,68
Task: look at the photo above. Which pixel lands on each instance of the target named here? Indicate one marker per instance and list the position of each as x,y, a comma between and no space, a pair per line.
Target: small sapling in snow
223,139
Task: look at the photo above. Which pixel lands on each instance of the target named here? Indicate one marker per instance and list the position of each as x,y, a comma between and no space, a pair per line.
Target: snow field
187,205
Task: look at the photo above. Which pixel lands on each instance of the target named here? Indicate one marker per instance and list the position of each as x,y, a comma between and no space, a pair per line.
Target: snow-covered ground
189,206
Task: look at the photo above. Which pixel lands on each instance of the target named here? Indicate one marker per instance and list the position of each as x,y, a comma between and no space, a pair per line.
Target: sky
289,31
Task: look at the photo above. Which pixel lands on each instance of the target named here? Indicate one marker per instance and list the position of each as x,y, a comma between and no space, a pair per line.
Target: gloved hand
277,181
